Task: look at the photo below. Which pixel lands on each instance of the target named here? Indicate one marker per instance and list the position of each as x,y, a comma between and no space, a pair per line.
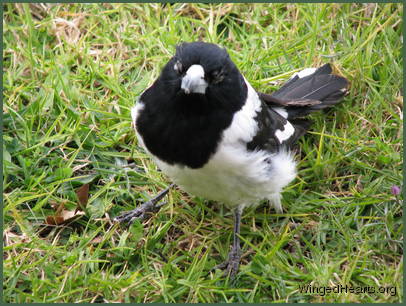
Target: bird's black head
203,74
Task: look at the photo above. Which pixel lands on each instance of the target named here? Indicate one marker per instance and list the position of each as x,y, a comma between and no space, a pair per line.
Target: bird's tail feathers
308,91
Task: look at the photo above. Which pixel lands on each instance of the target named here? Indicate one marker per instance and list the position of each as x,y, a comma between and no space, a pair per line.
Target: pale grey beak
193,81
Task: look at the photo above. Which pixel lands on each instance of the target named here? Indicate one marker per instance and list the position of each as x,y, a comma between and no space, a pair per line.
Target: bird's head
203,72
200,65
183,114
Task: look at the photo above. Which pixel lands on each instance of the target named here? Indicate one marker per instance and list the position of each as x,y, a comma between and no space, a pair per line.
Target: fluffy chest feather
235,176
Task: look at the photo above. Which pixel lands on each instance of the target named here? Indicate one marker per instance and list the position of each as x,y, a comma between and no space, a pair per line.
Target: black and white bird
218,138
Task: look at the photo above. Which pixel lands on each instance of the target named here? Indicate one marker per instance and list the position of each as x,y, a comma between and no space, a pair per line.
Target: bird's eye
217,76
178,67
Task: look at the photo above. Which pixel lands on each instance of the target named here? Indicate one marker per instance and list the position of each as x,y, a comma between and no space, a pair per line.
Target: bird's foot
144,211
230,266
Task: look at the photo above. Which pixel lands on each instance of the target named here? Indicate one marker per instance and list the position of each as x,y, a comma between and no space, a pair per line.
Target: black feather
268,122
321,86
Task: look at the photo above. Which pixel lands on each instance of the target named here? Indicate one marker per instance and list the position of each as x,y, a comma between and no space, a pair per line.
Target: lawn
72,72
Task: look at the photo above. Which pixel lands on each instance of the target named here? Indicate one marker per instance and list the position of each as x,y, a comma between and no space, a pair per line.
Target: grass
71,74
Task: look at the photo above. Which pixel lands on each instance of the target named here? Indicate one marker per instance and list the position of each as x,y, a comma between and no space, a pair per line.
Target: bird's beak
193,81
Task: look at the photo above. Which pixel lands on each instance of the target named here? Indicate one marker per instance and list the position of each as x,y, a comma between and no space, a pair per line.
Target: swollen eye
178,67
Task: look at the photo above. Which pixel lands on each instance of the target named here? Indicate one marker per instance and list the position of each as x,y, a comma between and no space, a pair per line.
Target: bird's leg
145,210
232,263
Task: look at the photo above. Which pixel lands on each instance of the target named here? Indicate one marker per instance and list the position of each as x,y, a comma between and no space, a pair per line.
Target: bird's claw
143,212
230,266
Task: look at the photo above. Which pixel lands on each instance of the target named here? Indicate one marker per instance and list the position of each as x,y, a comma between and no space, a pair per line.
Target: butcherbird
218,138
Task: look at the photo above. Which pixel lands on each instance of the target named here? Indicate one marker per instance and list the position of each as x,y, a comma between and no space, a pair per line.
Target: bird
218,138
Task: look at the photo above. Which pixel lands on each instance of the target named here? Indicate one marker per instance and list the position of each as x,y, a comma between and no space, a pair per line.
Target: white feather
305,72
243,127
135,111
286,133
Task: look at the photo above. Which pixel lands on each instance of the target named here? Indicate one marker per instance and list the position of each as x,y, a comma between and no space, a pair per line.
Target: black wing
301,96
269,122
